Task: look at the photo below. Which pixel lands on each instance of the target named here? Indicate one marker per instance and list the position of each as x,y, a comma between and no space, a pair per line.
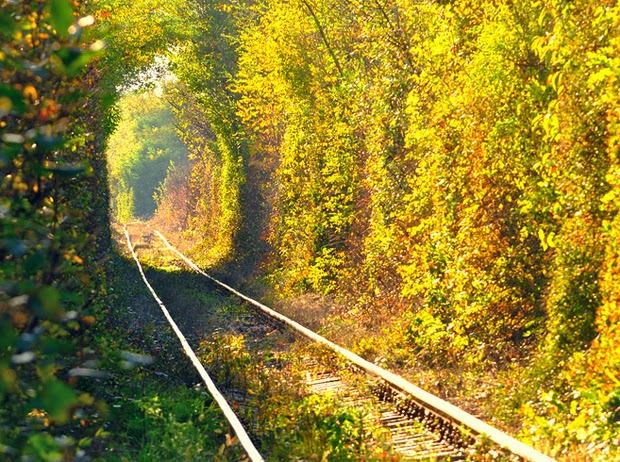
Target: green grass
154,409
156,421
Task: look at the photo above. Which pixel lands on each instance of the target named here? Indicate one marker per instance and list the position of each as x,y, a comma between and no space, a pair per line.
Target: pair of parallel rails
417,403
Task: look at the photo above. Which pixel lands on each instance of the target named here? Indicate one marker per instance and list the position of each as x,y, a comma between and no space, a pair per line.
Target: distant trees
141,152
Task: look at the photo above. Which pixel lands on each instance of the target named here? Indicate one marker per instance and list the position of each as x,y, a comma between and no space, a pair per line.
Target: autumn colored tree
469,147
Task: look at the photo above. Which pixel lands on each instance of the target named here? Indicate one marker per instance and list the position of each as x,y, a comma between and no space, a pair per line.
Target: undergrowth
156,421
157,409
292,424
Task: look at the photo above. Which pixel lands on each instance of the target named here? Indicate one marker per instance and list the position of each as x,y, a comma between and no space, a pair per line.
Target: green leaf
74,59
7,24
11,100
44,446
35,263
57,398
52,346
48,142
45,303
66,170
7,334
61,13
85,443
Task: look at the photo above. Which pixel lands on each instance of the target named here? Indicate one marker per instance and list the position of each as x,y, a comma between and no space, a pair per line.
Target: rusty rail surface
423,398
232,418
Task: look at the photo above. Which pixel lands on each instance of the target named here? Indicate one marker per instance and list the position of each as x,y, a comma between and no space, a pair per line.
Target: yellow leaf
30,93
5,105
550,240
543,241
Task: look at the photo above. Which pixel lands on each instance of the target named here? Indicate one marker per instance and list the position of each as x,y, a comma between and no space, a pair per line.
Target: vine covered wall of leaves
456,159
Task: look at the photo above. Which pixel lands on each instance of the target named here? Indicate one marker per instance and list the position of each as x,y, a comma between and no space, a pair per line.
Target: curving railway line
420,425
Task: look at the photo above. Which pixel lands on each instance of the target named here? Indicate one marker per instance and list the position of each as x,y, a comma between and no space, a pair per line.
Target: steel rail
232,418
432,402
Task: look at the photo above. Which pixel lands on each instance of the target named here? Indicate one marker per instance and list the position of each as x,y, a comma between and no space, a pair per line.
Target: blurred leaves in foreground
54,236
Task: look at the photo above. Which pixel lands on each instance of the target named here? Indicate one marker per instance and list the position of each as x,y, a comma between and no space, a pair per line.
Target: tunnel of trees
453,164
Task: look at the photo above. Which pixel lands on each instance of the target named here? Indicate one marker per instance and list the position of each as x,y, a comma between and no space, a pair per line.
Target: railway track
418,425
